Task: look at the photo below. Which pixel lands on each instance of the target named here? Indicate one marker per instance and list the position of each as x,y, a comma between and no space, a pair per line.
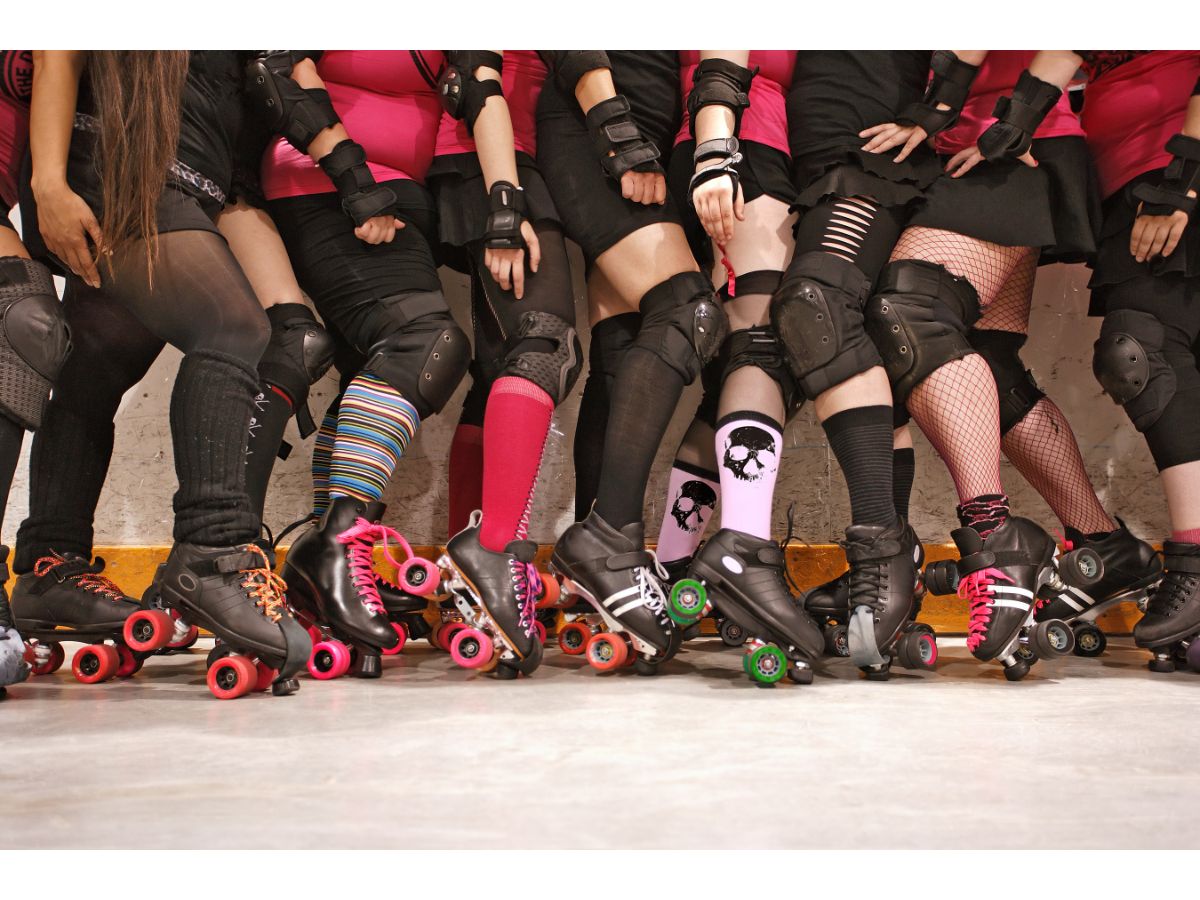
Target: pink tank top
765,122
522,77
388,101
997,77
1132,110
16,85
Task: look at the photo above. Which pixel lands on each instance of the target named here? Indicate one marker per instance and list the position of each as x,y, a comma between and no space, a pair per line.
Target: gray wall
136,505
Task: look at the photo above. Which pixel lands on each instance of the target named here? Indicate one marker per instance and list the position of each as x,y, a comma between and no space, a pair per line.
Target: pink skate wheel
418,576
148,630
265,676
50,666
541,631
129,662
330,659
401,640
606,651
551,591
95,663
471,648
231,677
446,632
573,638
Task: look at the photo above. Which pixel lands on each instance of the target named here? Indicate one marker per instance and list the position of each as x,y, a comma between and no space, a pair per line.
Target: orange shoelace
265,586
88,581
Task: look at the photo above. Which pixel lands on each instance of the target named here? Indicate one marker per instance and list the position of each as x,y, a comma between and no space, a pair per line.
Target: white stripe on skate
1011,604
620,595
1010,589
1085,599
627,607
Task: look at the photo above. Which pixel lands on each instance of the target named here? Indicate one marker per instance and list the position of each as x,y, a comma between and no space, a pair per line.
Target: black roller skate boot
620,578
496,594
232,592
68,598
1131,568
13,667
1170,629
882,590
405,606
331,585
743,576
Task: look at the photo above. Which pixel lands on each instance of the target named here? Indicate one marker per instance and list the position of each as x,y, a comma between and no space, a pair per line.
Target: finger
726,208
739,205
874,130
93,228
660,190
518,277
488,258
1135,236
627,185
909,146
1156,242
506,274
1173,238
399,223
389,234
535,250
1029,160
1144,241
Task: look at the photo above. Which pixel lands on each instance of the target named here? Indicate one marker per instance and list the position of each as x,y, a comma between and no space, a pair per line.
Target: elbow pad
463,95
571,65
951,83
299,114
722,83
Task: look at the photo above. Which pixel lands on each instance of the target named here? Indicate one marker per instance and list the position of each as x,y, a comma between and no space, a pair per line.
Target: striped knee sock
322,453
374,425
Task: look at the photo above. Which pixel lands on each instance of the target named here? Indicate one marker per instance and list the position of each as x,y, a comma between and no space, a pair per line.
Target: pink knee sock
466,476
749,446
691,497
1188,536
514,436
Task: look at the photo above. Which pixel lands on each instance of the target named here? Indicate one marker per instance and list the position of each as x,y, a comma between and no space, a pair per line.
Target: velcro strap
621,132
72,567
928,117
504,230
975,562
1189,564
630,560
952,80
1184,146
364,205
1162,200
770,556
231,562
1018,114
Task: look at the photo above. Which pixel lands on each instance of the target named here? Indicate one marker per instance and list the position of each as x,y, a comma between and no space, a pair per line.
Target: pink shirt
16,85
1132,110
522,77
765,122
388,101
997,77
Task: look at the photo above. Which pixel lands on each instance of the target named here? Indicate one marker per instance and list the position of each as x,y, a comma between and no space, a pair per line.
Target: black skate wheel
645,667
732,634
505,672
801,674
1082,568
1025,654
837,640
877,673
1053,637
1193,655
1089,640
285,686
941,577
1161,664
219,651
917,650
1017,670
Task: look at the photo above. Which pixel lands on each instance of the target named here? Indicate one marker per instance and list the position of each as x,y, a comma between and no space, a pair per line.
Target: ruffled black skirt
851,172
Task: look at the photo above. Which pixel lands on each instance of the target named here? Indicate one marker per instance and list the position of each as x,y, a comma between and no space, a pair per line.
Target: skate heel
366,664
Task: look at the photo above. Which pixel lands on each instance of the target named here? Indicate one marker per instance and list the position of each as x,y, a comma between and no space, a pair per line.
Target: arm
716,101
1167,207
1017,117
64,218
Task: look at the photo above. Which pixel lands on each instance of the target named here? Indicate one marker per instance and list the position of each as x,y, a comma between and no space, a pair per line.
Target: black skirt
851,172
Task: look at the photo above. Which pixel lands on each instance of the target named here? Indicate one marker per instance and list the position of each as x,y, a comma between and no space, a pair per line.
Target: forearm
1056,67
715,121
305,74
494,142
593,87
1191,123
56,75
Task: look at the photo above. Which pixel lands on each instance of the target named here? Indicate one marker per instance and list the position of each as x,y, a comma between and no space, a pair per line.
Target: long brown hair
138,94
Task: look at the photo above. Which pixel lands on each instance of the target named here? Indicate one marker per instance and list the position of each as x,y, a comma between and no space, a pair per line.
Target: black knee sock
861,439
904,470
272,409
211,408
11,437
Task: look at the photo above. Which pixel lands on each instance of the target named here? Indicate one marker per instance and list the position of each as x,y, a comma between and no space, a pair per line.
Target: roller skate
67,598
1131,569
13,667
615,573
1004,577
496,594
743,576
232,592
1170,629
332,587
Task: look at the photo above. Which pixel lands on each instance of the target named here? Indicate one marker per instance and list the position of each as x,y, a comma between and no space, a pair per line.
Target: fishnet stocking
1009,311
986,265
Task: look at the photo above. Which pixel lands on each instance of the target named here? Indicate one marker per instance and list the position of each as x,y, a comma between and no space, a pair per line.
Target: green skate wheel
746,663
767,665
687,602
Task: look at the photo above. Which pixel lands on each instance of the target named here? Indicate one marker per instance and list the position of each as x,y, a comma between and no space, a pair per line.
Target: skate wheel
941,577
445,634
1052,638
128,662
766,664
606,651
219,651
1082,568
917,650
837,640
231,677
95,663
1017,670
330,659
800,674
573,638
189,637
266,676
687,602
540,629
1089,640
148,630
471,648
51,665
1026,654
732,634
551,591
401,640
1161,664
1193,655
418,576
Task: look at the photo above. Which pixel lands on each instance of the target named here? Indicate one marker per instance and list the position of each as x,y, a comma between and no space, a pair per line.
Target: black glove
504,221
951,83
362,198
1181,175
614,131
1019,117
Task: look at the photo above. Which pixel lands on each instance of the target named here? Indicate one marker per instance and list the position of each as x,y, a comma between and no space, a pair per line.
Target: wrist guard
362,198
613,130
720,82
571,65
299,114
504,221
1181,175
951,83
463,95
728,152
1018,118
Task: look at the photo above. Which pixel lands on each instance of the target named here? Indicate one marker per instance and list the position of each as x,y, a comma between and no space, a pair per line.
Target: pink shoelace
977,588
527,578
360,540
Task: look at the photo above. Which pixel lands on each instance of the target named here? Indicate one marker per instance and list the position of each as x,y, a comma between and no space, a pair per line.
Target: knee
1015,386
918,318
1131,362
545,350
759,348
682,323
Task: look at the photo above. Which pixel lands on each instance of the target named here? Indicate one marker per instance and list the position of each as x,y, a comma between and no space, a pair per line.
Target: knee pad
918,319
759,347
547,352
424,358
1130,363
298,355
1017,390
34,340
682,323
817,314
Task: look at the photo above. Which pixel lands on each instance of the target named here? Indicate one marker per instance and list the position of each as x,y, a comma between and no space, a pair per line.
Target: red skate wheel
148,630
401,640
266,675
95,663
471,648
418,576
51,665
130,662
231,677
446,633
606,651
551,591
330,659
573,638
541,631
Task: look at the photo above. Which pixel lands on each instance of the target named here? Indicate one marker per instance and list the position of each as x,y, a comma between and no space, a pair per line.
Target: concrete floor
1083,754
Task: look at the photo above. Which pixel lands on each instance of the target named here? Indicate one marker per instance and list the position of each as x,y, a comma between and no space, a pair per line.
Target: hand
717,207
964,161
67,223
508,266
378,229
1154,235
888,135
648,188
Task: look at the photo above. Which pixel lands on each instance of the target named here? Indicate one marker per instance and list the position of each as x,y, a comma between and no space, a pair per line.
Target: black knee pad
682,323
426,356
298,355
34,339
759,347
817,314
1017,390
1130,363
546,351
918,318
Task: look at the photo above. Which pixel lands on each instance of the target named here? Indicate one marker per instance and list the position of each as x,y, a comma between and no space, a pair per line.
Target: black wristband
728,152
1181,175
614,132
950,86
1018,118
362,198
504,221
